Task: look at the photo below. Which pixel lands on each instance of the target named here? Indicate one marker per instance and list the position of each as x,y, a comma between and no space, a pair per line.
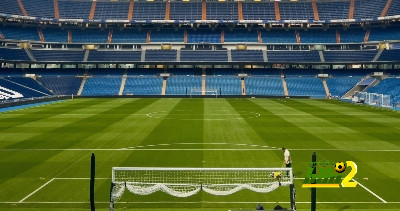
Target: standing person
287,158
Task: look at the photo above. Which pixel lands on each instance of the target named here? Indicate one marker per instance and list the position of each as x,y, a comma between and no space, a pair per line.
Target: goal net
376,99
185,182
204,92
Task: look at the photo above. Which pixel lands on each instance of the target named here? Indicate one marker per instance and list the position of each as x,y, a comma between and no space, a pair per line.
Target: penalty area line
38,189
48,182
374,194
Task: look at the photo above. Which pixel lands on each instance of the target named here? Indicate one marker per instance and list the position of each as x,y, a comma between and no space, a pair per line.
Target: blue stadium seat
90,36
352,35
296,11
222,11
143,86
39,8
381,34
249,55
240,36
389,86
318,36
205,56
182,85
74,9
149,11
312,87
13,54
25,86
8,72
333,10
161,55
224,85
115,55
55,35
258,11
338,86
61,85
394,8
390,55
115,10
350,56
204,36
31,83
19,33
166,35
129,36
278,36
293,56
268,86
10,7
185,11
98,86
58,55
364,8
216,10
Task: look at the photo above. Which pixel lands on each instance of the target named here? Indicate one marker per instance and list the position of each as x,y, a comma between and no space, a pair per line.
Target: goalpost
185,182
376,99
206,92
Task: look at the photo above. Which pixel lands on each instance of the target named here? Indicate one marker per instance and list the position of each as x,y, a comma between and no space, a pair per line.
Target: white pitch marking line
104,178
78,178
260,149
249,202
374,194
38,189
204,202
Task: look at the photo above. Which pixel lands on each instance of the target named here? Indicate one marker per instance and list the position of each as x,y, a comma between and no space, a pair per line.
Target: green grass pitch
45,150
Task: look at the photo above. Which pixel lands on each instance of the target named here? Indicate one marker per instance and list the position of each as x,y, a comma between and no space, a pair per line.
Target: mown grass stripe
33,114
370,128
58,138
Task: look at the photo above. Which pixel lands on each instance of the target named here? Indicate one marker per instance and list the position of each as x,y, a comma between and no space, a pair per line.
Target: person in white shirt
287,158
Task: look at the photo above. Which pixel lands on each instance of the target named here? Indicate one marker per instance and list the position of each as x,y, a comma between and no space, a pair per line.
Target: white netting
117,192
189,190
223,190
204,92
375,99
186,182
174,190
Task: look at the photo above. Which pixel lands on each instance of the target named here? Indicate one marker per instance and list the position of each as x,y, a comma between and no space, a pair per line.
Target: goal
375,99
206,92
185,182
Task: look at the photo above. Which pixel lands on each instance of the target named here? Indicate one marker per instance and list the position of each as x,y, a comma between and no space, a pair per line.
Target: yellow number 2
346,181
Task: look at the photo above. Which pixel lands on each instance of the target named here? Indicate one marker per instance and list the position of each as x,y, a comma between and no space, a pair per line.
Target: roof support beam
386,8
130,11
56,10
21,6
351,11
277,12
92,10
